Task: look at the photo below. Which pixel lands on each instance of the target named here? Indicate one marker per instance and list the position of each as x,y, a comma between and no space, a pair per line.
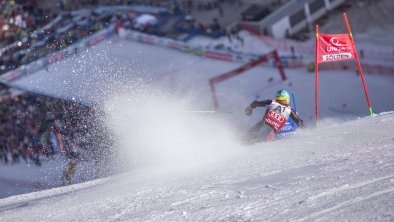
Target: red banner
334,47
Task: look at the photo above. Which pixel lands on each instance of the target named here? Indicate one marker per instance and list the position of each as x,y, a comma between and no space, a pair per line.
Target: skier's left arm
296,118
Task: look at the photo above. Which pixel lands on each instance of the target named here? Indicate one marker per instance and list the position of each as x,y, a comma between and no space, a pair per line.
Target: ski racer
277,113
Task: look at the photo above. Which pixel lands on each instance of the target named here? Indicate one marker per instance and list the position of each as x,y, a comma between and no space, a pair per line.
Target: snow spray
153,131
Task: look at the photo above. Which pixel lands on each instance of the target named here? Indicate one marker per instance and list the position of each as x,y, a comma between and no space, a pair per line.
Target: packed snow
339,172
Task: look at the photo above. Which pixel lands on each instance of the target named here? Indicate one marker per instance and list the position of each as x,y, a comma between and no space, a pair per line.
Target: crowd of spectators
23,42
28,32
34,127
210,25
18,20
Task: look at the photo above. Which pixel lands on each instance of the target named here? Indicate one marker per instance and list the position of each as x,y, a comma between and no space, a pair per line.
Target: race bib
274,119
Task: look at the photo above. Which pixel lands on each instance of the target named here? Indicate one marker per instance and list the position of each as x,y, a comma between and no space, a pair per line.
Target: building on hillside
292,17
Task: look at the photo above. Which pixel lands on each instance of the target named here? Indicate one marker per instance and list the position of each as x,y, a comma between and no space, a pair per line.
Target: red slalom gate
334,48
235,72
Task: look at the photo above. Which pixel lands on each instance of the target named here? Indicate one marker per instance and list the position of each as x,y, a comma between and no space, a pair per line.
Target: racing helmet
283,97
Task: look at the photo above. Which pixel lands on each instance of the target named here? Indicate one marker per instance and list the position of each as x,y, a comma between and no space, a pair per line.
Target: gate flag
334,47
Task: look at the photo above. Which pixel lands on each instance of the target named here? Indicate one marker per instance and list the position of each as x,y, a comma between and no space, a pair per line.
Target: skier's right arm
254,104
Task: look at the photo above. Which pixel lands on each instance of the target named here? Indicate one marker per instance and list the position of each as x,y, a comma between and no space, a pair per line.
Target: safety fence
224,55
57,56
238,71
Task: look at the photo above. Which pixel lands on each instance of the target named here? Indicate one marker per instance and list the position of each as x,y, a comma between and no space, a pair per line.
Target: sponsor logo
220,56
272,123
340,56
276,116
287,127
336,42
336,45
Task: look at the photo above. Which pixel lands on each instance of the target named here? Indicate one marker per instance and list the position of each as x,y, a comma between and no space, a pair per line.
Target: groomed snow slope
339,172
187,166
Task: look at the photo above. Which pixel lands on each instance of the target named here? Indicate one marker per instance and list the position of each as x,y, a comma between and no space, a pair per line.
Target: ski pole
294,102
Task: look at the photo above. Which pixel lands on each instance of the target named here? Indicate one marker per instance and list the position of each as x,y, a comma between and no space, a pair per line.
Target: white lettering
334,57
276,116
335,49
272,123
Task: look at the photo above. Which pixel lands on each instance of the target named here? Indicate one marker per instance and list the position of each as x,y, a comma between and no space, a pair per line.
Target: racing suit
273,120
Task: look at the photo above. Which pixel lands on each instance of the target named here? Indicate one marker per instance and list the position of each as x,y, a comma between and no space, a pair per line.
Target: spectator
27,122
292,50
221,12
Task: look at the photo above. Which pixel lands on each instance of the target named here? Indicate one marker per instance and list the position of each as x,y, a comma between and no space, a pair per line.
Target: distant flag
334,47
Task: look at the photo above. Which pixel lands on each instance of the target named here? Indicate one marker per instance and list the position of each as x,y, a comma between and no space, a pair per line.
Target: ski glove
248,111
